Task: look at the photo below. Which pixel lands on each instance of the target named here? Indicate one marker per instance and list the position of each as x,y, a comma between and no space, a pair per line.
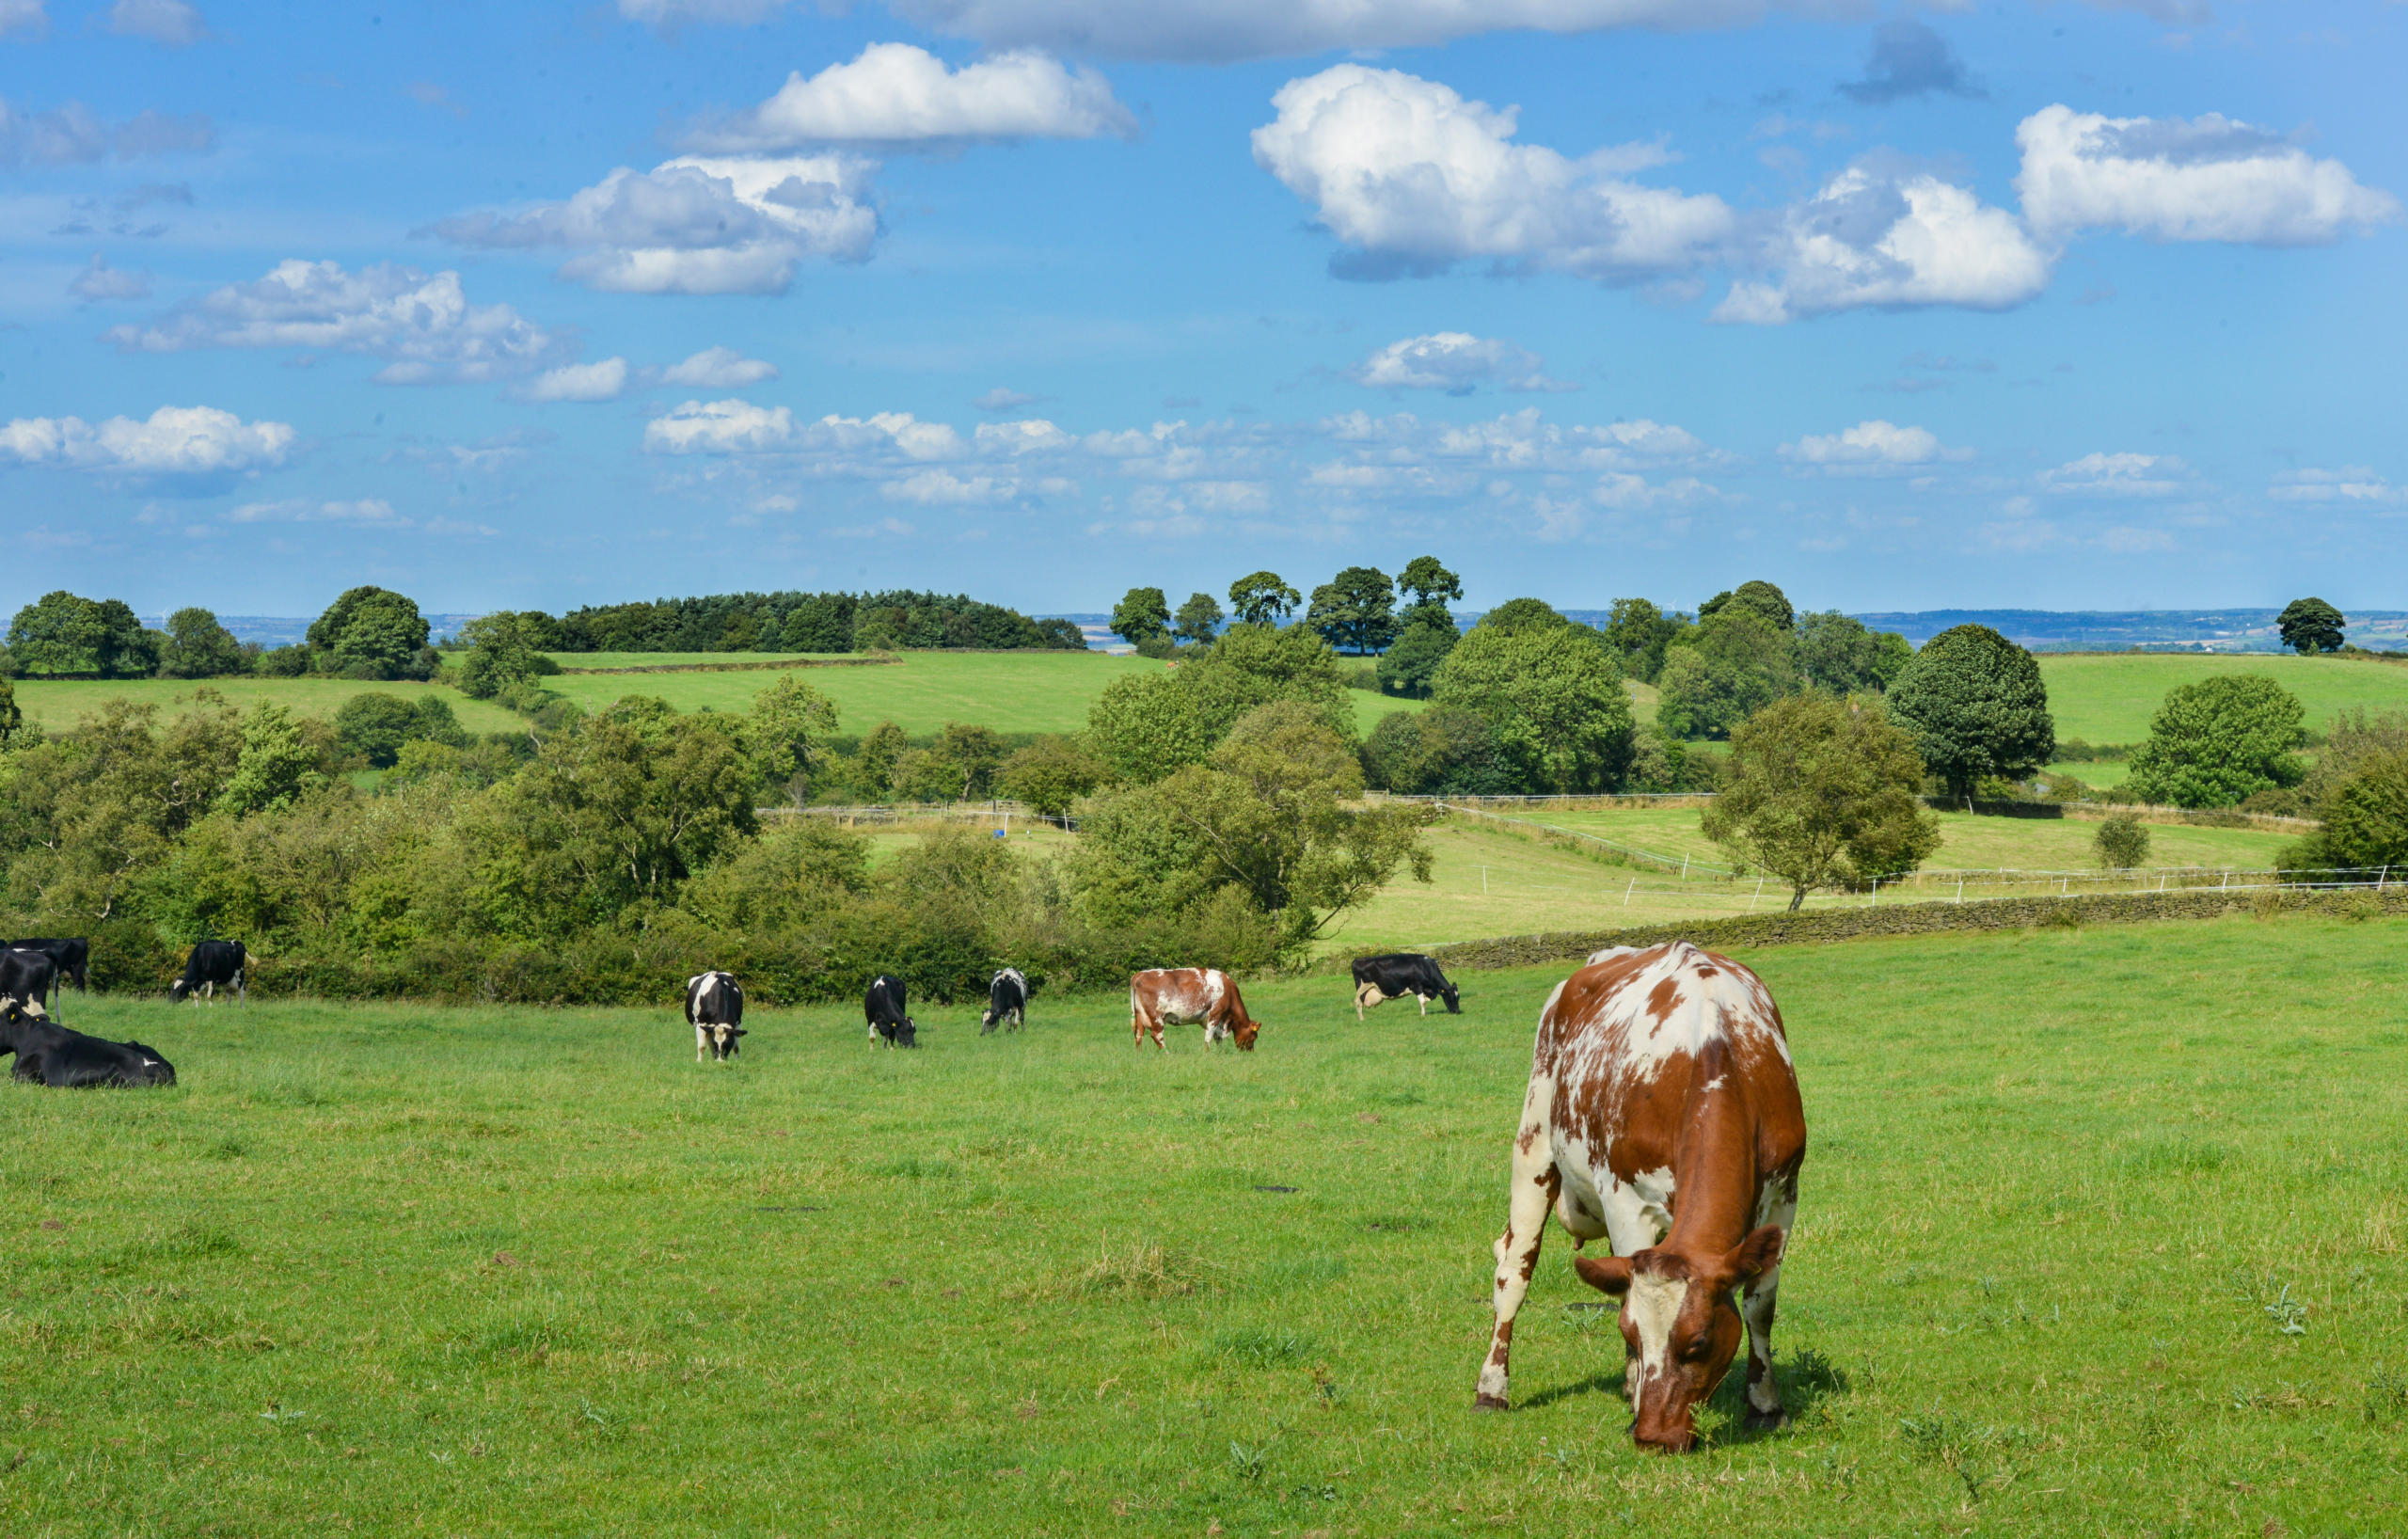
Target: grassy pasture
2101,1232
57,704
2109,698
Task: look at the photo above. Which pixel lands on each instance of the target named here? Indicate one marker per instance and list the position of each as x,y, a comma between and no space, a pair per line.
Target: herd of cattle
1662,1114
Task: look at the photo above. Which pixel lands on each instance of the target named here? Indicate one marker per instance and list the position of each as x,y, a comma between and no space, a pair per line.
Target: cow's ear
1753,1257
736,1031
1606,1274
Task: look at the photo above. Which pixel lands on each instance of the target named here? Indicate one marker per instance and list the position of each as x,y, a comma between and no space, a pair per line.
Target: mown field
1031,691
1493,878
2109,698
2100,1232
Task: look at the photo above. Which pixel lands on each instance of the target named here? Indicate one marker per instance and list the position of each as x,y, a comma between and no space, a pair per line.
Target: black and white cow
888,1021
71,956
49,1054
1379,979
214,964
29,978
1007,1001
714,1005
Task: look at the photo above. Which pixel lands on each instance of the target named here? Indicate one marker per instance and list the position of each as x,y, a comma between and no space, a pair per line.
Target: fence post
1961,887
1627,891
1876,894
1685,867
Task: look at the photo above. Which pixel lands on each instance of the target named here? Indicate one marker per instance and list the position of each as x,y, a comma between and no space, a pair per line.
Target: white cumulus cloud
196,441
1417,177
719,369
1455,362
366,511
1225,30
896,94
603,381
1871,448
2119,475
423,326
170,23
2201,178
695,225
1868,239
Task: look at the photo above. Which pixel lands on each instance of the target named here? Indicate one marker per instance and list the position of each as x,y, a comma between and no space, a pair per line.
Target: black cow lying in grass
890,1019
69,1060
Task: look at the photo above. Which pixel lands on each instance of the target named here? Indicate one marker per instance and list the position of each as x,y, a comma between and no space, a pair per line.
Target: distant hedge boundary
744,667
1761,929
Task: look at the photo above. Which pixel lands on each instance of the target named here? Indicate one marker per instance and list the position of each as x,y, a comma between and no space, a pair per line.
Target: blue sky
2052,304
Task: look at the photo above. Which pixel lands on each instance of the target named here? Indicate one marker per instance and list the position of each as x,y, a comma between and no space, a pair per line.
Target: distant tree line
367,633
798,622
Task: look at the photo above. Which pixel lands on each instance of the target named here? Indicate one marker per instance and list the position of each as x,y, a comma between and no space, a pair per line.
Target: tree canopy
1145,725
1820,791
1760,598
1356,611
2219,742
1142,615
1722,673
1975,707
2310,626
1841,656
1199,620
1553,698
371,632
1261,599
61,633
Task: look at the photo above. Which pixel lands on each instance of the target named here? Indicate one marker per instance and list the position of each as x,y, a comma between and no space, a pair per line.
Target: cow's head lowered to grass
1680,1328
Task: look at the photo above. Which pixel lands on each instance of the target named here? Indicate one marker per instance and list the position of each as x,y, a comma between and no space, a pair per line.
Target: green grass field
2100,1232
57,705
1490,877
2109,698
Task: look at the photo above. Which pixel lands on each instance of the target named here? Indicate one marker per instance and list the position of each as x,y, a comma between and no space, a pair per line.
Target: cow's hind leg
1535,1185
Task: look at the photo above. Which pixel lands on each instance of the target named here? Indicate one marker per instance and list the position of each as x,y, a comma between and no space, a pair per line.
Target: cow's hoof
1766,1420
1489,1403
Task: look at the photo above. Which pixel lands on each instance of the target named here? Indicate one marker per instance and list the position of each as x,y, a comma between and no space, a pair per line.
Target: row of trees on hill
1355,612
798,622
367,633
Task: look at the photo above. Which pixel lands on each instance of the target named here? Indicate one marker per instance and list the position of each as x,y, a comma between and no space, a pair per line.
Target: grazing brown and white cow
1181,996
1663,1114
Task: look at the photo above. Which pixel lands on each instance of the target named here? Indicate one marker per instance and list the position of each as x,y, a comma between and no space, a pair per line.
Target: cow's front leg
1535,1183
701,1039
1764,1410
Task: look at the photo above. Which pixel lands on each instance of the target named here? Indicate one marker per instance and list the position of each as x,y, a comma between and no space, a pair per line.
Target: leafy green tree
374,726
127,650
199,647
277,766
786,722
1049,774
2216,743
1410,665
1640,632
1975,705
2122,843
1145,725
1266,818
874,767
1822,791
1200,620
924,775
1840,656
2364,818
57,633
1260,599
978,752
1731,667
1553,698
12,721
1356,611
2310,626
1760,599
371,633
1430,587
1437,751
2354,738
1142,615
504,648
1519,614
